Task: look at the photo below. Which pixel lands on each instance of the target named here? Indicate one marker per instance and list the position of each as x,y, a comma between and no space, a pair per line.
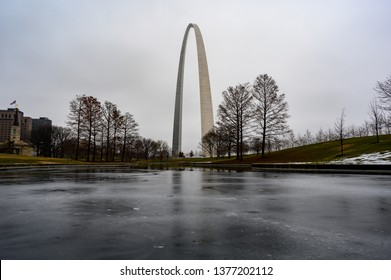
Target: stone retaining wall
324,168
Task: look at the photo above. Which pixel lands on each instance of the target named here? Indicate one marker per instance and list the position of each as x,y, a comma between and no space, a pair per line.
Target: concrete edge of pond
378,169
221,166
13,167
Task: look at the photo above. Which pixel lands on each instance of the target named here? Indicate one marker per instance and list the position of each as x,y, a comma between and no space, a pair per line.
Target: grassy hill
322,152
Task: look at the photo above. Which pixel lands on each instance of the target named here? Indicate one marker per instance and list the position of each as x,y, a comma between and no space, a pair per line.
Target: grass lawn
325,151
9,159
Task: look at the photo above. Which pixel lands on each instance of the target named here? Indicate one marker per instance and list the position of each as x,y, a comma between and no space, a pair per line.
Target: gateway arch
205,94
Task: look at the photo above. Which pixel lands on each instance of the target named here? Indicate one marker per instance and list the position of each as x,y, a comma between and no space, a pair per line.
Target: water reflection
193,214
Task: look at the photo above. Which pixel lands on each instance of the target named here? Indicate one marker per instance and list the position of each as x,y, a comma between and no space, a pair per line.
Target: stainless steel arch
205,93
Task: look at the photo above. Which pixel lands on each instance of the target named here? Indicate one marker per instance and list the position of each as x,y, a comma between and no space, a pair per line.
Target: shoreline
331,168
27,166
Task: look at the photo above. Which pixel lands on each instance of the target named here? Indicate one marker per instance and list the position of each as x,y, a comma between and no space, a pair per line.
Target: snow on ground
374,158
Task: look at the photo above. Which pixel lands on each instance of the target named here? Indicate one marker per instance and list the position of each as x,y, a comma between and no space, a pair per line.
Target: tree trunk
241,142
78,141
94,148
107,142
89,142
124,148
101,146
237,136
263,139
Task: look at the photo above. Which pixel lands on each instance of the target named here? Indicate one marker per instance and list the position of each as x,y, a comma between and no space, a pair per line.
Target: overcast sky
324,55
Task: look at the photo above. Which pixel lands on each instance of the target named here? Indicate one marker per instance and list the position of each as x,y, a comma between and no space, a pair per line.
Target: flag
14,102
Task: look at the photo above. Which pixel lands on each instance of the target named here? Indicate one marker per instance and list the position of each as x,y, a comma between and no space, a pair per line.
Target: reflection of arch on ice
205,94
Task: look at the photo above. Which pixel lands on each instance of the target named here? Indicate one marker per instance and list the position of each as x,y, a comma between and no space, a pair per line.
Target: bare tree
138,148
362,130
118,120
365,129
75,119
212,142
320,136
108,111
218,141
352,131
60,138
208,142
308,137
102,131
387,123
104,127
96,130
226,132
224,141
91,113
340,129
149,148
271,109
376,117
292,139
256,145
163,150
383,90
129,131
235,113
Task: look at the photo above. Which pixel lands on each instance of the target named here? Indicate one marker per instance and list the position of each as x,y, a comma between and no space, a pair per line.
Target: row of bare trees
256,112
64,144
253,118
101,132
379,108
100,127
97,132
379,111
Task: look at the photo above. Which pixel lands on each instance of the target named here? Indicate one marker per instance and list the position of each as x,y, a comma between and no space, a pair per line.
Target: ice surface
193,214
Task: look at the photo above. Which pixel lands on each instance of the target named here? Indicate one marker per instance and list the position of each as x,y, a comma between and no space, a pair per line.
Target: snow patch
374,158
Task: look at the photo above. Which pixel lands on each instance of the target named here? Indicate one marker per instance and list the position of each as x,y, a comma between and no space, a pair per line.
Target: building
41,122
15,132
17,136
7,118
41,136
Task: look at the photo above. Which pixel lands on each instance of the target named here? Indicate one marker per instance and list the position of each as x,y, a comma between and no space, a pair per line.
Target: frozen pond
193,214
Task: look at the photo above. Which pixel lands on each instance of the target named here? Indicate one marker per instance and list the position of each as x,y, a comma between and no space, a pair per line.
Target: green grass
323,152
9,159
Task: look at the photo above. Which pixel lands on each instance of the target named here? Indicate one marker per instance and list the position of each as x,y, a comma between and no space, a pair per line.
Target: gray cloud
324,55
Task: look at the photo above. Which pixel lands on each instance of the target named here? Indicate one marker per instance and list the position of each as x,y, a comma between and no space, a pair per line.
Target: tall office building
41,122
